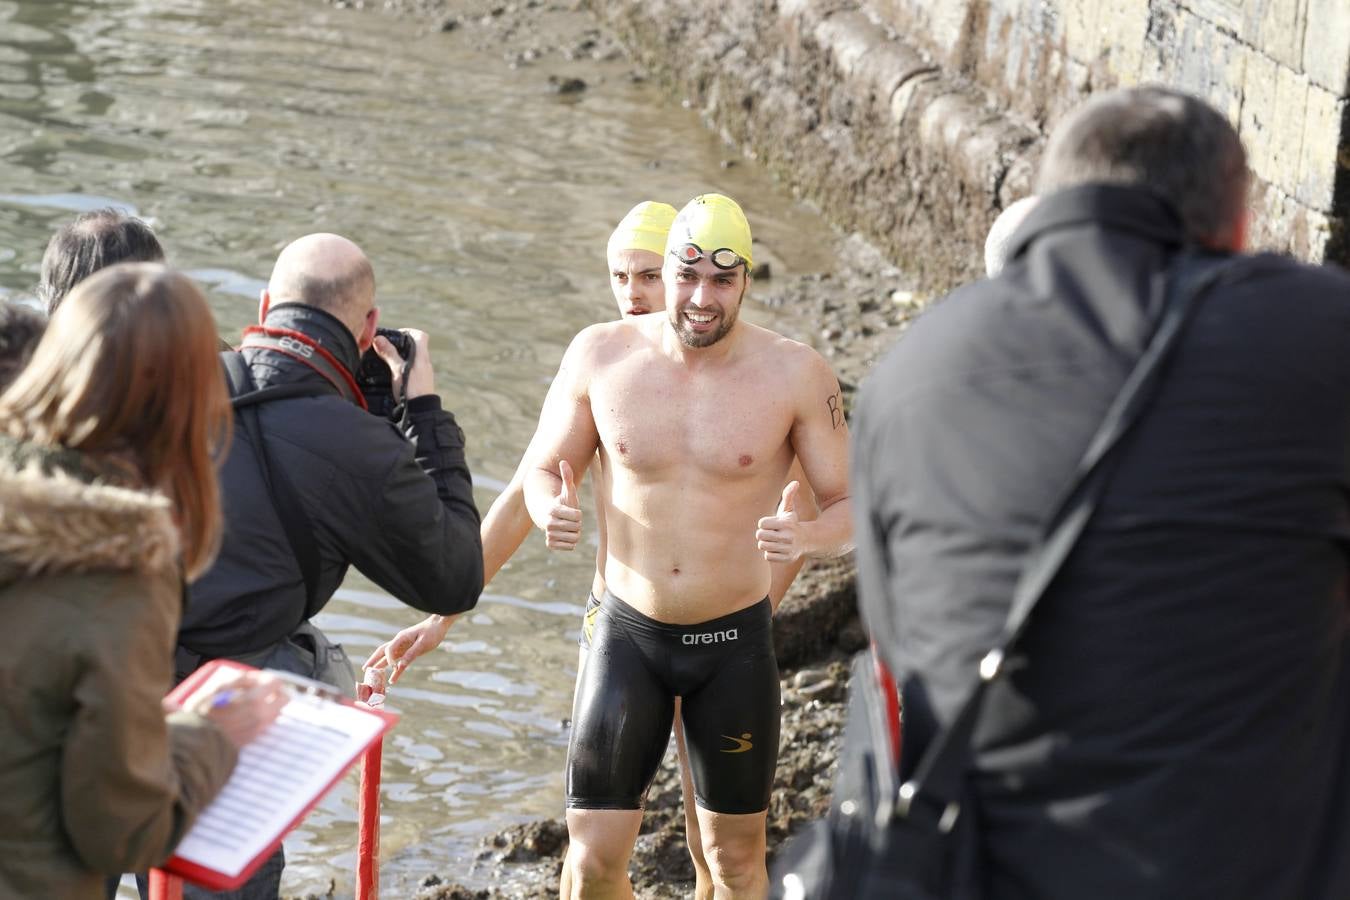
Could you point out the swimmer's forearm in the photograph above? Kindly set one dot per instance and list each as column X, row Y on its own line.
column 540, row 488
column 505, row 527
column 832, row 533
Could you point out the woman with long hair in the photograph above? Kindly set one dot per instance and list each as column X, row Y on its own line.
column 108, row 502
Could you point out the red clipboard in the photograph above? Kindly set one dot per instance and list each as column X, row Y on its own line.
column 292, row 741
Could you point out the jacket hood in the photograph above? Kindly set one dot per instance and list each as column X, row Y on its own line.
column 56, row 518
column 1138, row 210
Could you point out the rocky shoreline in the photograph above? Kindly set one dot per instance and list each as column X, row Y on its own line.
column 852, row 315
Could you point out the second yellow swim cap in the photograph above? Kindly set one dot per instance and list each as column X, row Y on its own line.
column 644, row 228
column 712, row 222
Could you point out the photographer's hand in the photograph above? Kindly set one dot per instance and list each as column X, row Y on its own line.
column 421, row 380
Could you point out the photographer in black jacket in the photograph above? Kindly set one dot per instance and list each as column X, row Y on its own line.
column 1175, row 721
column 314, row 483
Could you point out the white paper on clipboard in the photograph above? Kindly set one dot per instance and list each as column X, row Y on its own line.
column 279, row 776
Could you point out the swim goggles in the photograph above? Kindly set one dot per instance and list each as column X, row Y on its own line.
column 724, row 258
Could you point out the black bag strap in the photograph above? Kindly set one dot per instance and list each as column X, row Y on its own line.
column 940, row 774
column 245, row 397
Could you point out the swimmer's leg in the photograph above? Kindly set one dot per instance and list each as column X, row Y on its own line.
column 731, row 724
column 564, row 877
column 587, row 630
column 736, row 849
column 702, row 880
column 621, row 722
column 600, row 842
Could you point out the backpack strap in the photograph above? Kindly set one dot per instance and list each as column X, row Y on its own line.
column 245, row 397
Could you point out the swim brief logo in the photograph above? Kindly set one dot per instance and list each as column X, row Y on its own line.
column 742, row 743
column 711, row 637
column 588, row 625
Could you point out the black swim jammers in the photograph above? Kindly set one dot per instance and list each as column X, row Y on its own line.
column 724, row 670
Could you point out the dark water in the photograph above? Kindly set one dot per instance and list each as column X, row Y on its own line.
column 484, row 201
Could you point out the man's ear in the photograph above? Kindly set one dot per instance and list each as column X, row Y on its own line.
column 1238, row 244
column 264, row 304
column 367, row 335
column 1233, row 237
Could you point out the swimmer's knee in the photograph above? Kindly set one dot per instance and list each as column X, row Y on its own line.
column 735, row 857
column 735, row 875
column 600, row 844
column 590, row 867
column 737, row 861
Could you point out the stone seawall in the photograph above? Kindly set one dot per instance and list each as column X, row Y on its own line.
column 914, row 122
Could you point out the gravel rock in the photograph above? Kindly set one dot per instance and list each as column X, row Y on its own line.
column 532, row 841
column 807, row 678
column 566, row 85
column 454, row 892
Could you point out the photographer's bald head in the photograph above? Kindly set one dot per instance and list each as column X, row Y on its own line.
column 328, row 272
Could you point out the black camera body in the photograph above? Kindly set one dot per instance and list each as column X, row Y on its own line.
column 377, row 382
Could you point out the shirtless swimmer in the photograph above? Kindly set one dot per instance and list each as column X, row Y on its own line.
column 696, row 417
column 634, row 256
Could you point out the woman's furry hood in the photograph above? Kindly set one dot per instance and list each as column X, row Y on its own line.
column 54, row 519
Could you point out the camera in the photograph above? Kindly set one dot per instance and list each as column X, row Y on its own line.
column 375, row 379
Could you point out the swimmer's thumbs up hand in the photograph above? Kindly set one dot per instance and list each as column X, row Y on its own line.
column 779, row 535
column 568, row 497
column 564, row 522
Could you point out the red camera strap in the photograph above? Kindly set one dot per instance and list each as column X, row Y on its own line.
column 306, row 351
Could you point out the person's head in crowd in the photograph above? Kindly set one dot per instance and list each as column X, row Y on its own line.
column 708, row 263
column 93, row 241
column 634, row 254
column 20, row 328
column 127, row 372
column 1001, row 232
column 327, row 272
column 1162, row 139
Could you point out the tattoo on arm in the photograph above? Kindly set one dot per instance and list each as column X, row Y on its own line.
column 835, row 404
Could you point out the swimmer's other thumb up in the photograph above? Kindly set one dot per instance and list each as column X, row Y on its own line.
column 564, row 522
column 779, row 535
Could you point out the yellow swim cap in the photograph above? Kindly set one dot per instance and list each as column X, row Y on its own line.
column 711, row 222
column 644, row 228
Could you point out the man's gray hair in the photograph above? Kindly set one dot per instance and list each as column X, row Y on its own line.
column 1155, row 137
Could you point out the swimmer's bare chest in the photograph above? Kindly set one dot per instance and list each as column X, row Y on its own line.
column 692, row 460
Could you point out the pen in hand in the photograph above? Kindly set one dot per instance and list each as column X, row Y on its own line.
column 243, row 708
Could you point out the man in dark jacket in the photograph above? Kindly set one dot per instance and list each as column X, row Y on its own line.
column 1176, row 721
column 395, row 501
